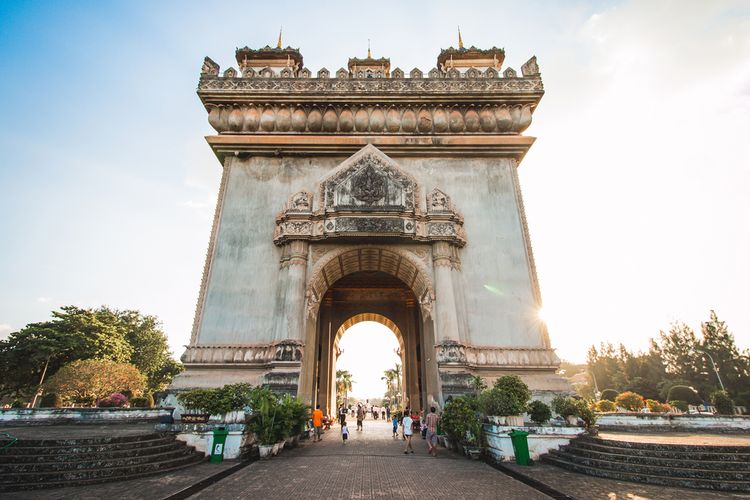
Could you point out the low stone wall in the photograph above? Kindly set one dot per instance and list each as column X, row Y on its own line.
column 660, row 422
column 541, row 439
column 46, row 416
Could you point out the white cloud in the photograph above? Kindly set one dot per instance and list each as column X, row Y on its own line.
column 5, row 331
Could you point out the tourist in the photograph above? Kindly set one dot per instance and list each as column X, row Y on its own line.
column 394, row 421
column 342, row 415
column 317, row 418
column 344, row 431
column 431, row 421
column 360, row 417
column 388, row 412
column 407, row 424
column 382, row 413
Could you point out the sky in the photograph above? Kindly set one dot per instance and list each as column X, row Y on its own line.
column 635, row 190
column 375, row 343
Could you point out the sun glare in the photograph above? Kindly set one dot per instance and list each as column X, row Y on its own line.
column 368, row 349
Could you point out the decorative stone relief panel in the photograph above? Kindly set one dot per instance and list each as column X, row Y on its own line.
column 261, row 354
column 368, row 195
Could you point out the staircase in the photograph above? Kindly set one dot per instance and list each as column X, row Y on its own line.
column 54, row 463
column 725, row 468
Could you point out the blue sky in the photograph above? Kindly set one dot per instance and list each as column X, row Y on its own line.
column 635, row 190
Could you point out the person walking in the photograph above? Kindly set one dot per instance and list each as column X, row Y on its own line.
column 408, row 424
column 431, row 421
column 344, row 431
column 394, row 422
column 317, row 418
column 360, row 417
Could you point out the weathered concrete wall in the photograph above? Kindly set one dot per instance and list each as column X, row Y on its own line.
column 82, row 415
column 541, row 439
column 242, row 290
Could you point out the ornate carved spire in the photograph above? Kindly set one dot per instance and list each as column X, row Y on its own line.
column 278, row 44
column 460, row 41
column 369, row 53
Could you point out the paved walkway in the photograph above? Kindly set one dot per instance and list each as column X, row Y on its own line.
column 370, row 465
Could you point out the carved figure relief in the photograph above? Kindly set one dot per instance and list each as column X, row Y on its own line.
column 301, row 201
column 209, row 68
column 368, row 186
column 530, row 68
column 438, row 201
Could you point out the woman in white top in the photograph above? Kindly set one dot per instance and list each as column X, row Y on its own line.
column 407, row 423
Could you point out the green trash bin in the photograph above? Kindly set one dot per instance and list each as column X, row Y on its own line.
column 217, row 448
column 520, row 446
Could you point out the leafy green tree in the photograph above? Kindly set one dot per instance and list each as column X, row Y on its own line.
column 344, row 383
column 731, row 365
column 73, row 333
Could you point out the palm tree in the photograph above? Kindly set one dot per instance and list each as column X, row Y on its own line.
column 391, row 375
column 344, row 383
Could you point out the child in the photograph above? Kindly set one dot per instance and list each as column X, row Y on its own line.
column 344, row 430
column 394, row 421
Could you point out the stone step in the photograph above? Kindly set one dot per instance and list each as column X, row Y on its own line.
column 692, row 472
column 664, row 451
column 709, row 484
column 683, row 460
column 75, row 447
column 680, row 448
column 75, row 462
column 100, row 440
column 37, row 480
column 28, row 458
column 49, row 483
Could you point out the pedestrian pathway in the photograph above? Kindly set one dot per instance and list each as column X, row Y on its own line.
column 371, row 465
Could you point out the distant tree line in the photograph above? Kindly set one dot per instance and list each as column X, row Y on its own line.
column 39, row 351
column 678, row 357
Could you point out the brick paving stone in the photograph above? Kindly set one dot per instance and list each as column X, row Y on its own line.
column 587, row 487
column 370, row 465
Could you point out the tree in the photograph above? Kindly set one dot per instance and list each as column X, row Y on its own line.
column 392, row 375
column 87, row 381
column 76, row 333
column 73, row 333
column 733, row 368
column 344, row 383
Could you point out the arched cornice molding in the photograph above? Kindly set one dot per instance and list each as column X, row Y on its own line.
column 343, row 261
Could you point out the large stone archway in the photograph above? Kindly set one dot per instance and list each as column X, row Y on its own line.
column 407, row 185
column 359, row 283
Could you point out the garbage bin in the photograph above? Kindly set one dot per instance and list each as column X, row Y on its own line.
column 217, row 449
column 520, row 446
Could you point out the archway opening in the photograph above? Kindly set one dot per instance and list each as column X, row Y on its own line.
column 369, row 366
column 370, row 296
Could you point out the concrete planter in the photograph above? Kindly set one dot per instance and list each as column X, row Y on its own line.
column 541, row 439
column 265, row 451
column 514, row 420
column 659, row 422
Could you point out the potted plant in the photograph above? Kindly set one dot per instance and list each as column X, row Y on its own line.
column 507, row 398
column 262, row 420
column 196, row 403
column 566, row 407
column 462, row 425
column 539, row 412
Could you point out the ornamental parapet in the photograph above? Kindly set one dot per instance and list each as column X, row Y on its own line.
column 291, row 101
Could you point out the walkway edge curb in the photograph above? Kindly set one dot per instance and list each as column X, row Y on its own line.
column 534, row 483
column 206, row 482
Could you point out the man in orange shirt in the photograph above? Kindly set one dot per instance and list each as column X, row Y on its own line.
column 317, row 418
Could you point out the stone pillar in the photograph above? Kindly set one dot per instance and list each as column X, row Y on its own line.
column 295, row 294
column 446, row 321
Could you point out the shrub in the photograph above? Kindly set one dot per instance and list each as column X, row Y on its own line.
column 679, row 404
column 539, row 412
column 723, row 403
column 657, row 407
column 263, row 419
column 565, row 406
column 86, row 381
column 606, row 406
column 583, row 410
column 17, row 403
column 196, row 400
column 114, row 400
column 51, row 400
column 683, row 393
column 609, row 395
column 631, row 401
column 461, row 422
column 218, row 401
column 508, row 396
column 142, row 402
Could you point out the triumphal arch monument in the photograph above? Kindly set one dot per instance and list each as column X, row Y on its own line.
column 369, row 194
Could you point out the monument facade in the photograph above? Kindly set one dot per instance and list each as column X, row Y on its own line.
column 369, row 195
